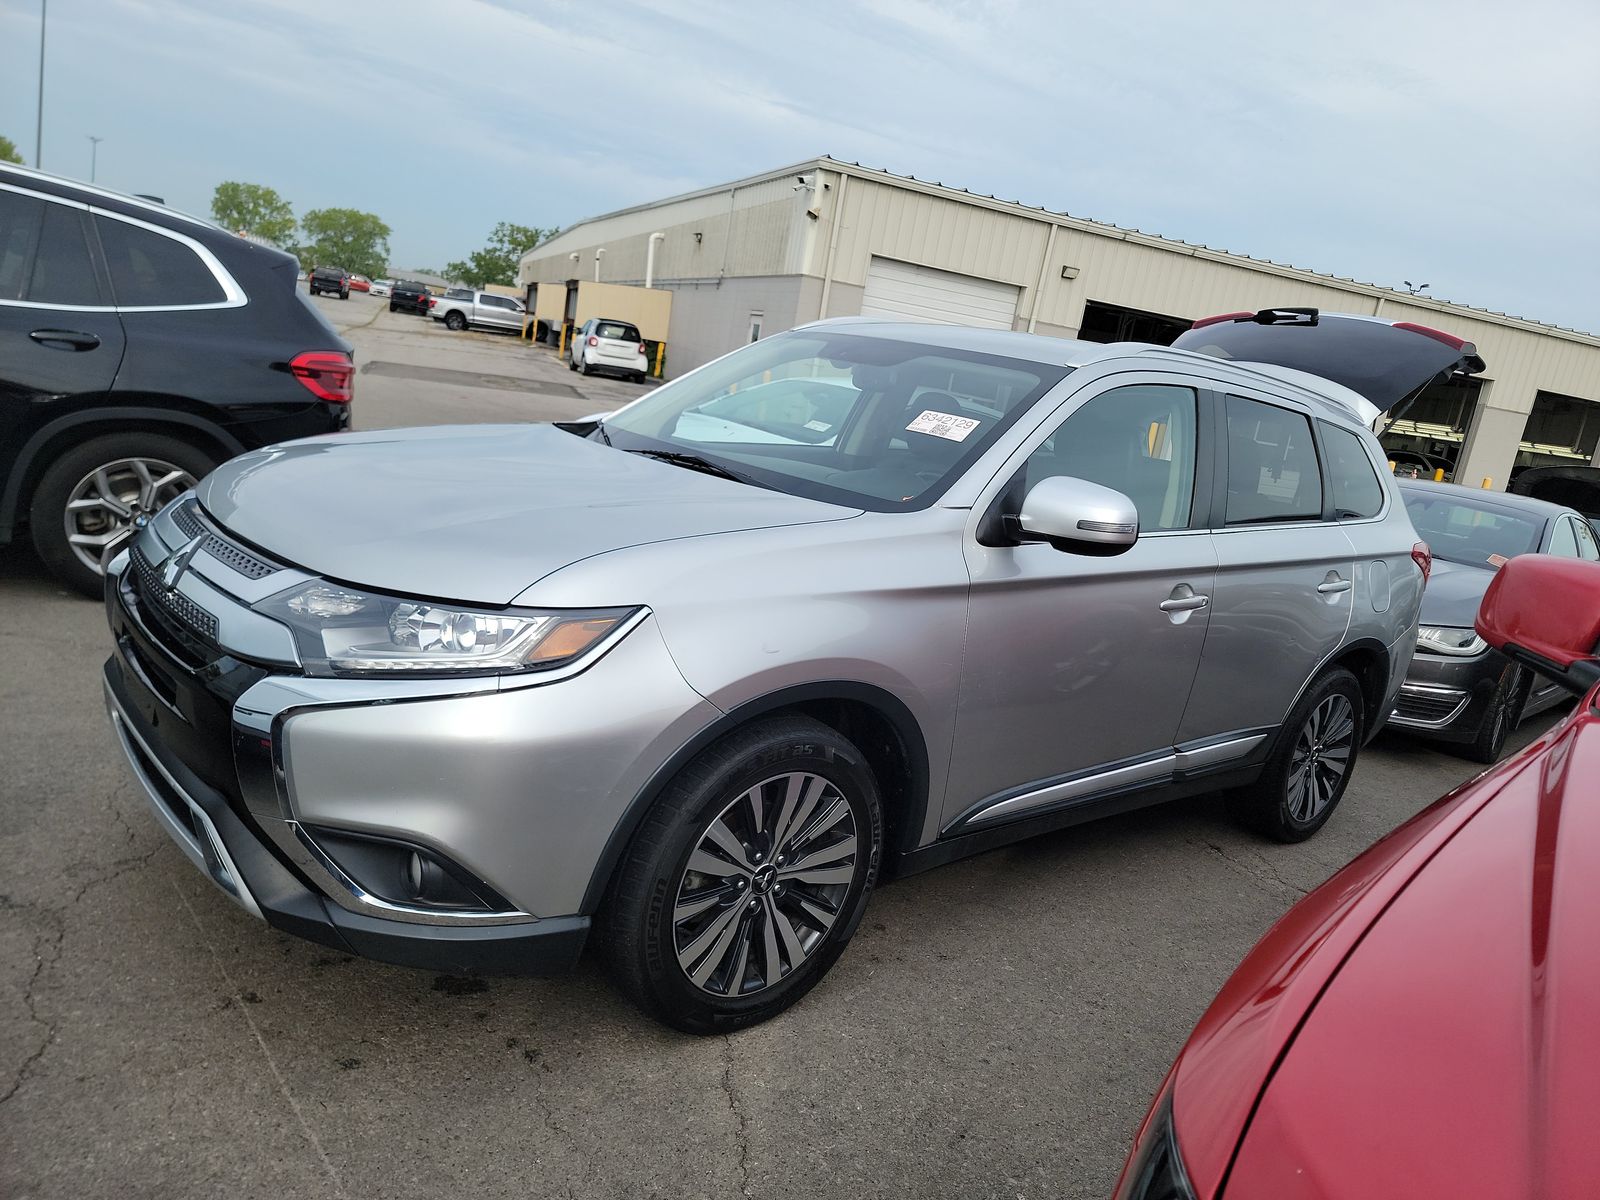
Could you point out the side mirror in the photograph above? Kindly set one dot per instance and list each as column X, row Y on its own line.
column 1077, row 516
column 1544, row 612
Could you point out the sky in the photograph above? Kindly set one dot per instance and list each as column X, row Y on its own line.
column 1453, row 144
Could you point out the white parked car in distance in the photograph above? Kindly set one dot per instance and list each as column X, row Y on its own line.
column 382, row 287
column 601, row 344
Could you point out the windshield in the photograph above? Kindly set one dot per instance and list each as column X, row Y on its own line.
column 1470, row 534
column 870, row 422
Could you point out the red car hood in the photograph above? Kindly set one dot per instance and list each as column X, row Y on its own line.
column 1435, row 1007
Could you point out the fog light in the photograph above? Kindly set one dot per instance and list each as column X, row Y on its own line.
column 405, row 873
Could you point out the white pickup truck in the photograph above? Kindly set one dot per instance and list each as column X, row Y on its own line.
column 459, row 308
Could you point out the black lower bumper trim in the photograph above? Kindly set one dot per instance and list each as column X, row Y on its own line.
column 544, row 947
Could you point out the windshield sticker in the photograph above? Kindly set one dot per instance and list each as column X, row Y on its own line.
column 943, row 425
column 1498, row 560
column 819, row 426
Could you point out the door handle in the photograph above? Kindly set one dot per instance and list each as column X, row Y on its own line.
column 1329, row 586
column 65, row 339
column 1184, row 603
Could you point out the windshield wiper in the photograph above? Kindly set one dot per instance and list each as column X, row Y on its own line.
column 694, row 462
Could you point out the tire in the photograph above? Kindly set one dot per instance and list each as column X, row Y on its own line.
column 572, row 363
column 454, row 320
column 1503, row 715
column 746, row 948
column 584, row 368
column 639, row 377
column 391, row 306
column 1302, row 782
column 73, row 476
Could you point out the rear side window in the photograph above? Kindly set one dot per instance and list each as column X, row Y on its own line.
column 617, row 330
column 1564, row 542
column 44, row 253
column 150, row 270
column 1272, row 465
column 1356, row 490
column 1587, row 547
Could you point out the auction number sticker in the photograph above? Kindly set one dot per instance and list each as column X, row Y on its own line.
column 943, row 425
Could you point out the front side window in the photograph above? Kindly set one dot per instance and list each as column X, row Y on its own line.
column 149, row 270
column 1588, row 548
column 869, row 422
column 1356, row 490
column 1563, row 541
column 1138, row 440
column 1272, row 465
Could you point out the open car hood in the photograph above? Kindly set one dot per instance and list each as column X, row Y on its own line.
column 1383, row 362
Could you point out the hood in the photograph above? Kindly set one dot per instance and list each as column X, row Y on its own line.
column 1453, row 593
column 473, row 513
column 1384, row 362
column 1453, row 1053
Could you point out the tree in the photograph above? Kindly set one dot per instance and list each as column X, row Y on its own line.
column 345, row 237
column 254, row 209
column 8, row 151
column 497, row 262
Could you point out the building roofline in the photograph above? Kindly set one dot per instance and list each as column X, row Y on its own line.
column 1095, row 228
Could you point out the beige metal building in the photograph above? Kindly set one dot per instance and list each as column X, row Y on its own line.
column 825, row 238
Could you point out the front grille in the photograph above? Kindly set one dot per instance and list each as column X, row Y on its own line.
column 171, row 613
column 187, row 519
column 1434, row 708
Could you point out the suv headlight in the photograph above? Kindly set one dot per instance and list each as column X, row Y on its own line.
column 1155, row 1169
column 342, row 631
column 1450, row 639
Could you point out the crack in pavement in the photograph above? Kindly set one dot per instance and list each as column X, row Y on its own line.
column 1268, row 875
column 733, row 1106
column 272, row 1063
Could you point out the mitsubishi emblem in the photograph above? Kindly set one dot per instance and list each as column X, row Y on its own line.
column 173, row 565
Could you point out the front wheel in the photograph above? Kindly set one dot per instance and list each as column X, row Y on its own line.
column 747, row 878
column 1504, row 713
column 1309, row 769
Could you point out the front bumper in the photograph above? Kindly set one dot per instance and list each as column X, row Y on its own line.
column 252, row 767
column 1446, row 698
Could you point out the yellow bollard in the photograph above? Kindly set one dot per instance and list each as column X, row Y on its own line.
column 561, row 348
column 1487, row 483
column 661, row 350
column 1438, row 474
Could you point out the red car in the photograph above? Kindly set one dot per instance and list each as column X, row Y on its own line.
column 360, row 283
column 1427, row 1022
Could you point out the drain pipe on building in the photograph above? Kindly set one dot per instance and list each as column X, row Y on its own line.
column 650, row 257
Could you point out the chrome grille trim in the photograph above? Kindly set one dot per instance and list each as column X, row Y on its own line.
column 174, row 604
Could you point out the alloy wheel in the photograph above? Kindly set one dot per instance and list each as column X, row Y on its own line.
column 115, row 498
column 765, row 883
column 1321, row 757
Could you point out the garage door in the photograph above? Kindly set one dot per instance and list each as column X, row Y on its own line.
column 897, row 289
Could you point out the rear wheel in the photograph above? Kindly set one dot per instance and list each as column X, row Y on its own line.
column 91, row 497
column 1503, row 715
column 455, row 321
column 747, row 878
column 1309, row 769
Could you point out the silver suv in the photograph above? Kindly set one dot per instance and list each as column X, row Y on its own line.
column 855, row 600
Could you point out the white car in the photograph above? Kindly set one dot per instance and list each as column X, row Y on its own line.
column 601, row 344
column 382, row 287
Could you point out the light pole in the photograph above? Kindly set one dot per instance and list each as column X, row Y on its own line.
column 94, row 152
column 38, row 129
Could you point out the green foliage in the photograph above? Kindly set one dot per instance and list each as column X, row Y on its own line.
column 9, row 151
column 345, row 237
column 497, row 262
column 255, row 209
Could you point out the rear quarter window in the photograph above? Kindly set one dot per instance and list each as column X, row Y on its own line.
column 150, row 270
column 1356, row 490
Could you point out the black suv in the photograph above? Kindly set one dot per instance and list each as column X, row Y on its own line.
column 139, row 348
column 329, row 279
column 410, row 296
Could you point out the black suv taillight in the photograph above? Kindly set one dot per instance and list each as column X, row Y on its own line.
column 326, row 374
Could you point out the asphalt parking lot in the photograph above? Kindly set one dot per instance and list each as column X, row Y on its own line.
column 995, row 1030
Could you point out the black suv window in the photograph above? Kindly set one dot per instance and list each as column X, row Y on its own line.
column 1272, row 464
column 44, row 253
column 1139, row 440
column 150, row 270
column 1356, row 490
